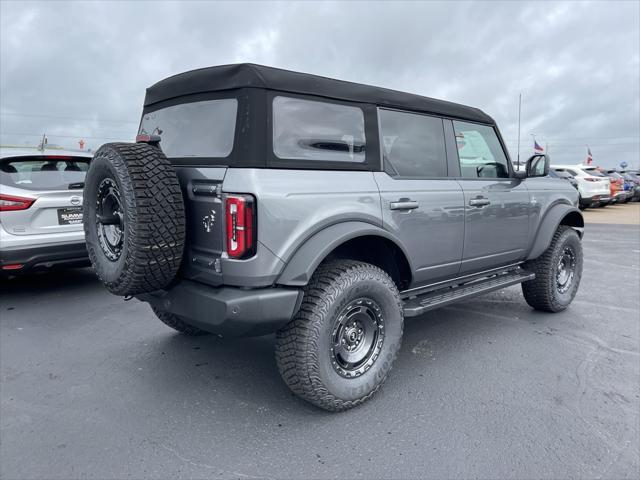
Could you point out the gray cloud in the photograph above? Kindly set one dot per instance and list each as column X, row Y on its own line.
column 80, row 69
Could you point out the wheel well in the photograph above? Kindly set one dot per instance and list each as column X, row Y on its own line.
column 377, row 251
column 573, row 219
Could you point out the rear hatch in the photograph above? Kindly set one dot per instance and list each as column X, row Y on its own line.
column 202, row 192
column 198, row 138
column 42, row 193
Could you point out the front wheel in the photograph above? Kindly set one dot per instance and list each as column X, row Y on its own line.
column 338, row 350
column 558, row 272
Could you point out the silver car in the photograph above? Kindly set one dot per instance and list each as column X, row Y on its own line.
column 41, row 209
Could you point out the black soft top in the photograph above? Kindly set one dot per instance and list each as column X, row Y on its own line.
column 247, row 75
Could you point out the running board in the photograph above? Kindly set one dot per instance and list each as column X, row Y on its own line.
column 420, row 304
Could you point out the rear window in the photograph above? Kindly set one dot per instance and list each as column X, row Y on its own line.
column 311, row 130
column 44, row 173
column 413, row 145
column 197, row 129
column 593, row 172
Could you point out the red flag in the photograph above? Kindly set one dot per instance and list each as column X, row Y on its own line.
column 589, row 156
column 537, row 148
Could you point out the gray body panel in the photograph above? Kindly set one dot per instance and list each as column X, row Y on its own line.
column 551, row 200
column 294, row 205
column 303, row 215
column 432, row 234
column 496, row 233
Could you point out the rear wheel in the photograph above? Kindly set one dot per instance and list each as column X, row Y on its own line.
column 338, row 350
column 134, row 218
column 558, row 272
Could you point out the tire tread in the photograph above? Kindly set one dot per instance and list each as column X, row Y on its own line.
column 297, row 343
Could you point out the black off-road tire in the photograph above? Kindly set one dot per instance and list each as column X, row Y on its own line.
column 177, row 323
column 304, row 346
column 543, row 293
column 152, row 229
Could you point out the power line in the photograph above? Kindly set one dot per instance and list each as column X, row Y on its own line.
column 89, row 119
column 65, row 136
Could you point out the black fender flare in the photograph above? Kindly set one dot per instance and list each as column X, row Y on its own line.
column 555, row 216
column 304, row 261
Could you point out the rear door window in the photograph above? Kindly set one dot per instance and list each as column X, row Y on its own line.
column 480, row 152
column 196, row 129
column 412, row 144
column 321, row 131
column 44, row 173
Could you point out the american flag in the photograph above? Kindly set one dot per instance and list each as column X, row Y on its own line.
column 537, row 148
column 589, row 156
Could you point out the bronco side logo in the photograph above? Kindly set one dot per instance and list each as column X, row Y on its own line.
column 208, row 221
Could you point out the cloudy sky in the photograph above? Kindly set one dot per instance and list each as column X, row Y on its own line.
column 79, row 70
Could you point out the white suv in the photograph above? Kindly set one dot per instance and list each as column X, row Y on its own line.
column 593, row 186
column 41, row 209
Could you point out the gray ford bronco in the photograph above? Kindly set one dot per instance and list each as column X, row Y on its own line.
column 257, row 200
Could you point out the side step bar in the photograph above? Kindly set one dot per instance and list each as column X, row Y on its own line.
column 422, row 303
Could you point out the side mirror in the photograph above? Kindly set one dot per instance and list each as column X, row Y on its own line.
column 519, row 174
column 538, row 166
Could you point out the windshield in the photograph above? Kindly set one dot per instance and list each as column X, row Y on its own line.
column 196, row 129
column 44, row 173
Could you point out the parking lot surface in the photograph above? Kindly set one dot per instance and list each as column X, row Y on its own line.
column 95, row 387
column 626, row 214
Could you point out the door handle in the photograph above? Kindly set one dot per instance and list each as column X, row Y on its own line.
column 403, row 204
column 479, row 202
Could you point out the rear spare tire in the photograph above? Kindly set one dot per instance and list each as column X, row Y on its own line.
column 134, row 219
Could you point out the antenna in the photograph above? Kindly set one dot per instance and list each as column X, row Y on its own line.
column 519, row 112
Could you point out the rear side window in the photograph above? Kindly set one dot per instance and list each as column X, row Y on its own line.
column 412, row 144
column 311, row 130
column 197, row 129
column 479, row 151
column 43, row 173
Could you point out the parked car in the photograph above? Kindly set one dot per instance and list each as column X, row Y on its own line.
column 619, row 193
column 594, row 187
column 634, row 179
column 41, row 209
column 628, row 184
column 259, row 200
column 565, row 176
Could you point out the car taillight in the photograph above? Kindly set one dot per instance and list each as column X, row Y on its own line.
column 591, row 179
column 241, row 219
column 10, row 203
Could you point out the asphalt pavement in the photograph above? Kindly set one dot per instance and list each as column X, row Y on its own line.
column 95, row 387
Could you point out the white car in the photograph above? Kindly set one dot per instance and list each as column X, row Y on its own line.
column 41, row 209
column 593, row 186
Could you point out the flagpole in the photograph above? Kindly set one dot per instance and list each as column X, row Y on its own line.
column 519, row 115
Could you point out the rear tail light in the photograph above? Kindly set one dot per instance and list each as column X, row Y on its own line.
column 10, row 203
column 591, row 179
column 241, row 223
column 12, row 266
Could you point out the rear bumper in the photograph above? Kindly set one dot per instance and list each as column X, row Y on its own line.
column 619, row 196
column 228, row 311
column 594, row 200
column 42, row 257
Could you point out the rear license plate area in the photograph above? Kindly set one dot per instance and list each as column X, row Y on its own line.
column 70, row 216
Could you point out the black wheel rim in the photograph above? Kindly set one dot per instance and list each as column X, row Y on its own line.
column 109, row 219
column 565, row 270
column 357, row 337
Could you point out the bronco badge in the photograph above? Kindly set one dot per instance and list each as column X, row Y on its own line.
column 208, row 221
